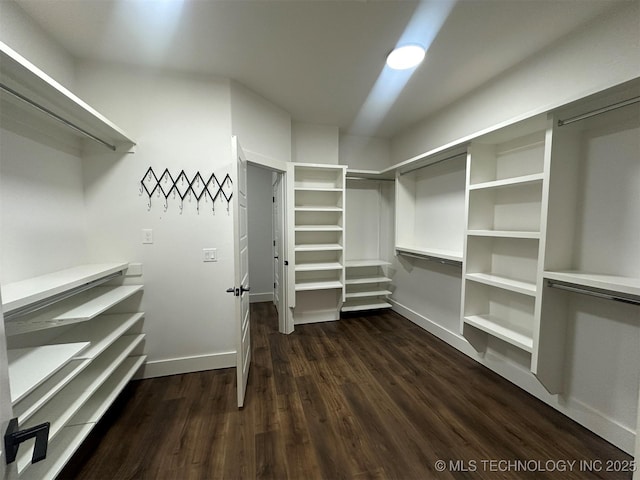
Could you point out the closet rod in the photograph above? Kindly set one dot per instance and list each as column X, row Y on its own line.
column 55, row 116
column 434, row 163
column 593, row 293
column 598, row 111
column 34, row 307
column 372, row 179
column 431, row 259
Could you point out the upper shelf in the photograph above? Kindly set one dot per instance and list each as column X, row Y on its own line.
column 23, row 82
column 26, row 292
column 612, row 283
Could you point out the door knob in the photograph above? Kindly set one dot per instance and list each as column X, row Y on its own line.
column 243, row 289
column 235, row 291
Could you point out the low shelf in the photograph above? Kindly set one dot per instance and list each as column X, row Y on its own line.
column 497, row 328
column 358, row 306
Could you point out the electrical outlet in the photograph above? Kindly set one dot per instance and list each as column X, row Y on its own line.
column 210, row 254
column 147, row 235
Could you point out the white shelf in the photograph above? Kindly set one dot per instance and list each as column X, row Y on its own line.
column 30, row 82
column 508, row 182
column 23, row 293
column 360, row 306
column 366, row 263
column 101, row 332
column 366, row 279
column 317, row 247
column 517, row 286
column 317, row 266
column 431, row 253
column 94, row 409
column 71, row 436
column 317, row 189
column 494, row 327
column 41, row 395
column 29, row 367
column 611, row 283
column 318, row 208
column 79, row 308
column 61, row 408
column 318, row 228
column 372, row 293
column 504, row 234
column 318, row 285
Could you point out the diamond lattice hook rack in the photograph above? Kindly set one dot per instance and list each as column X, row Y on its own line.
column 181, row 187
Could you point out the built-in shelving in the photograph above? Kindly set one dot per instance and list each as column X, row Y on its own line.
column 318, row 247
column 316, row 266
column 610, row 283
column 310, row 285
column 505, row 220
column 37, row 97
column 367, row 287
column 433, row 253
column 47, row 287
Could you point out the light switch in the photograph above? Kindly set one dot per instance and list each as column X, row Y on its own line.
column 210, row 254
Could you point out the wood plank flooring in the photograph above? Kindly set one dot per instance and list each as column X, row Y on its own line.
column 366, row 397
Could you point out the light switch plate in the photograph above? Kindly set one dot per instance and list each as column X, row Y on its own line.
column 210, row 255
column 147, row 235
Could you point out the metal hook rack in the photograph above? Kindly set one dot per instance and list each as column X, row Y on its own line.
column 182, row 187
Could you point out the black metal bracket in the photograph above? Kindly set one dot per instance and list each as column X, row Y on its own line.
column 14, row 437
column 183, row 188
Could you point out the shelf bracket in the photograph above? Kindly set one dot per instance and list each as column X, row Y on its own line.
column 14, row 437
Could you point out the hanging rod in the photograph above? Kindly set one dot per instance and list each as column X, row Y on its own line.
column 429, row 258
column 434, row 163
column 55, row 116
column 372, row 179
column 598, row 111
column 34, row 307
column 593, row 293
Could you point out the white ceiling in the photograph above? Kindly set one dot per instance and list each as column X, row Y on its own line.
column 319, row 60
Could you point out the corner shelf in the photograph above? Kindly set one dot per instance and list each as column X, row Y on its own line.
column 28, row 85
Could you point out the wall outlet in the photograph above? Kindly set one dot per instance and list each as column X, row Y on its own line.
column 147, row 235
column 210, row 254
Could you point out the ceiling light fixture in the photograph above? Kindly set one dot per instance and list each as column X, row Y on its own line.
column 405, row 57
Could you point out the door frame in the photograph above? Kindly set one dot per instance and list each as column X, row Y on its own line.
column 285, row 318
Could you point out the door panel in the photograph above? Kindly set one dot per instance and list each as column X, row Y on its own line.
column 241, row 274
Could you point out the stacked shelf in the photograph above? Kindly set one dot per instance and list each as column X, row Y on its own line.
column 505, row 198
column 367, row 287
column 318, row 227
column 69, row 360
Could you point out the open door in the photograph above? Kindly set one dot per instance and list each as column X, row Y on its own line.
column 278, row 250
column 241, row 277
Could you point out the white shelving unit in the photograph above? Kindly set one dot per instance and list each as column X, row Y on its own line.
column 506, row 173
column 28, row 93
column 69, row 370
column 430, row 208
column 317, row 238
column 367, row 287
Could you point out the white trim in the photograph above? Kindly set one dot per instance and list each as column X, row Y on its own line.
column 261, row 297
column 264, row 161
column 197, row 363
column 608, row 428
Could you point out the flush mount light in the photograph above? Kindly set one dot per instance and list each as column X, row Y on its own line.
column 405, row 57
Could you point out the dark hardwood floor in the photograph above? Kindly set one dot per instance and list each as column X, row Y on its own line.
column 365, row 397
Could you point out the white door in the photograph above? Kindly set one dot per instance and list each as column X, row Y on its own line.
column 278, row 250
column 241, row 277
column 6, row 412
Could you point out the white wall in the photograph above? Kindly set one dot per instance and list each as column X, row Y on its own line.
column 603, row 53
column 313, row 143
column 27, row 38
column 261, row 126
column 180, row 122
column 259, row 211
column 364, row 153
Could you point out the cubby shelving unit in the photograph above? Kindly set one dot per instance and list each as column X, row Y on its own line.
column 506, row 171
column 70, row 357
column 317, row 214
column 367, row 286
column 430, row 206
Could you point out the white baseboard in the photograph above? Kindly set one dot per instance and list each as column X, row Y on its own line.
column 619, row 435
column 175, row 366
column 260, row 297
